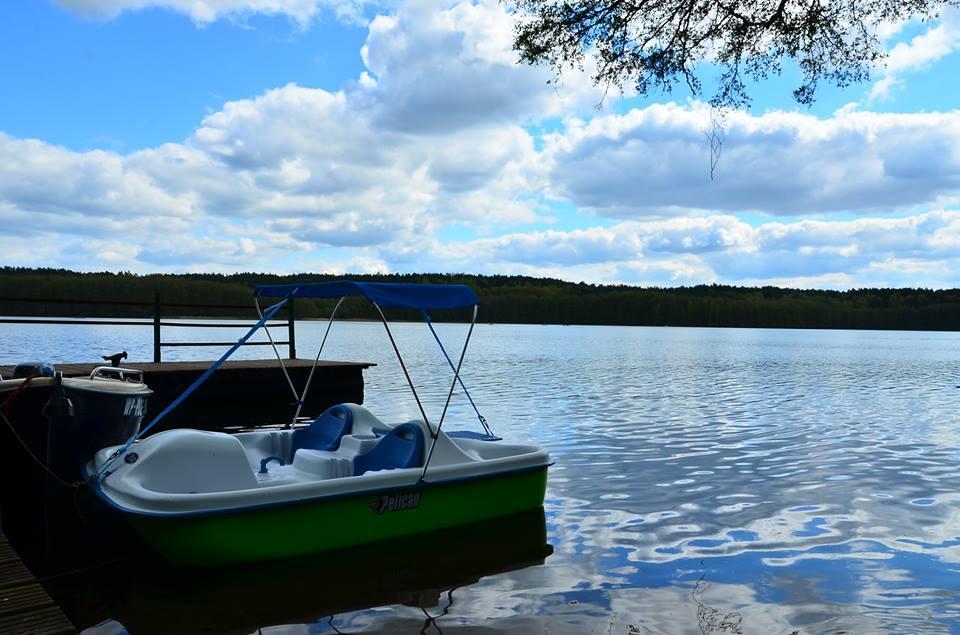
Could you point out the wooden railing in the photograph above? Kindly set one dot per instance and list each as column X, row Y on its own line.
column 158, row 322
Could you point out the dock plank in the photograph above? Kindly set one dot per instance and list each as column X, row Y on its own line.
column 13, row 573
column 46, row 621
column 6, row 551
column 242, row 393
column 23, row 598
column 25, row 607
column 83, row 369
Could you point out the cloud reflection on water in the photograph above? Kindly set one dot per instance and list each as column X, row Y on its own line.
column 800, row 479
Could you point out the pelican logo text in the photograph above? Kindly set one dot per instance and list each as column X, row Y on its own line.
column 395, row 502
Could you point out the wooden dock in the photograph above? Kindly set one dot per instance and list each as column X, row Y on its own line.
column 24, row 606
column 241, row 394
column 83, row 369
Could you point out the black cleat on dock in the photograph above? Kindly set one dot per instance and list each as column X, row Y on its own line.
column 115, row 358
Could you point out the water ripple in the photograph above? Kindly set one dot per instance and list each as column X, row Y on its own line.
column 707, row 480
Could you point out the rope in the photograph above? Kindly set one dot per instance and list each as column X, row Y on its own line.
column 5, row 406
column 63, row 574
column 480, row 417
column 453, row 384
column 13, row 431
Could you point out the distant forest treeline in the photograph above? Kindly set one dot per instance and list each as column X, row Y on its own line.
column 507, row 299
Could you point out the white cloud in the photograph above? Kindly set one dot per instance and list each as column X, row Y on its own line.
column 923, row 249
column 654, row 161
column 300, row 152
column 439, row 68
column 625, row 242
column 424, row 161
column 201, row 11
column 920, row 52
column 352, row 168
column 47, row 179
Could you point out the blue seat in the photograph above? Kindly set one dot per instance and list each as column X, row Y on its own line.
column 401, row 447
column 325, row 432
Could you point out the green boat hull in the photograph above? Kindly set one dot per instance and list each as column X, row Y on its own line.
column 322, row 524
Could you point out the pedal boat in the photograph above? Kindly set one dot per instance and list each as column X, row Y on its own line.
column 345, row 478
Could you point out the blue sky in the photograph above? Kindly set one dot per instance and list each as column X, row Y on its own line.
column 359, row 136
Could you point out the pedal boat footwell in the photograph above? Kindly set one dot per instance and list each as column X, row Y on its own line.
column 208, row 498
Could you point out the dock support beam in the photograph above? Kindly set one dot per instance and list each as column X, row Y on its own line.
column 291, row 331
column 156, row 327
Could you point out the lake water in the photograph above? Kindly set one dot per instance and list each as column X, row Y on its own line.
column 706, row 480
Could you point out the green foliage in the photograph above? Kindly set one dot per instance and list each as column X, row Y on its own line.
column 503, row 299
column 654, row 44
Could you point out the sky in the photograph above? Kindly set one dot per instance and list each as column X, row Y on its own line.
column 363, row 136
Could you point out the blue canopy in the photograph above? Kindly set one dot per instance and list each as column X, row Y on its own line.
column 386, row 294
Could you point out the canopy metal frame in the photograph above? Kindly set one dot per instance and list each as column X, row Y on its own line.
column 265, row 316
column 300, row 398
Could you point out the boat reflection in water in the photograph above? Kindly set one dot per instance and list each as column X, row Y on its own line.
column 423, row 571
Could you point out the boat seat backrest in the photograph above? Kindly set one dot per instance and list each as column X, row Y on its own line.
column 192, row 461
column 326, row 431
column 402, row 447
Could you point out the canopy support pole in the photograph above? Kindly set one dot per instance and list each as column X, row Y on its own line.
column 453, row 384
column 283, row 367
column 383, row 319
column 316, row 361
column 102, row 473
column 480, row 417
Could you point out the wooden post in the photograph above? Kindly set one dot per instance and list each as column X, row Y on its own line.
column 156, row 327
column 291, row 331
